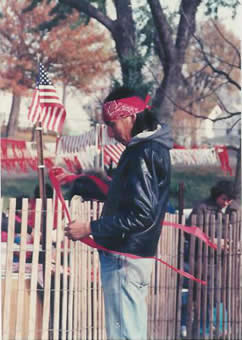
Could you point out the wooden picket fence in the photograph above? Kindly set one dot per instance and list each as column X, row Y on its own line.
column 58, row 295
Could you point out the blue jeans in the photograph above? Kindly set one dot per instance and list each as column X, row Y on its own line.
column 125, row 285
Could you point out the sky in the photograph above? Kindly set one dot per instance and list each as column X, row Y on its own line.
column 77, row 118
column 235, row 24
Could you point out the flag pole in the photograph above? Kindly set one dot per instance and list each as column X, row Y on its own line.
column 41, row 177
column 45, row 111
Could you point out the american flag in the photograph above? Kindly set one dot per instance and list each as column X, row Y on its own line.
column 46, row 106
column 113, row 152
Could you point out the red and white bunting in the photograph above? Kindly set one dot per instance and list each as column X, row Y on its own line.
column 196, row 157
column 72, row 144
column 81, row 152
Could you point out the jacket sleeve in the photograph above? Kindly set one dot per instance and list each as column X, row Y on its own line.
column 140, row 196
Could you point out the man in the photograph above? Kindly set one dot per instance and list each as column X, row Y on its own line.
column 132, row 214
column 220, row 199
column 219, row 202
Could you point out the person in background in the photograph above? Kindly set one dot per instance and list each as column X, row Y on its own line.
column 234, row 206
column 132, row 216
column 220, row 198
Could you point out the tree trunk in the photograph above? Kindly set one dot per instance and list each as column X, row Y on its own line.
column 165, row 96
column 13, row 117
column 130, row 63
column 123, row 32
column 171, row 53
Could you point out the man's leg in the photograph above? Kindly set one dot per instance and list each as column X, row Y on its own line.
column 125, row 285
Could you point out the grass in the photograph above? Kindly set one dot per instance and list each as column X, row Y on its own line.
column 197, row 184
column 14, row 187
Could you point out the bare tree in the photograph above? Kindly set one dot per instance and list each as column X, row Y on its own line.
column 219, row 61
column 171, row 41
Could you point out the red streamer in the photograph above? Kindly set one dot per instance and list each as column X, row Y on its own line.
column 193, row 230
column 90, row 242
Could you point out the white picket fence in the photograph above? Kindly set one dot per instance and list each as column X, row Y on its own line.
column 62, row 298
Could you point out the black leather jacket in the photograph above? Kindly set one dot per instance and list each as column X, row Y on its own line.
column 137, row 199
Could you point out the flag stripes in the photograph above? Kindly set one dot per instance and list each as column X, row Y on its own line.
column 46, row 106
column 34, row 107
column 113, row 152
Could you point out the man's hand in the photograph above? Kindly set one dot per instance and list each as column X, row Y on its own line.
column 77, row 230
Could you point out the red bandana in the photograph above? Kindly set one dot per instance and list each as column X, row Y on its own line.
column 125, row 107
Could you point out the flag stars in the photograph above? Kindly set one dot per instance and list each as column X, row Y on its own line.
column 43, row 77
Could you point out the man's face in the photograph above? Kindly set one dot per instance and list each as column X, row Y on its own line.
column 121, row 129
column 222, row 201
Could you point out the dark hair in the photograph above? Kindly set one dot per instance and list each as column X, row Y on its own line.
column 222, row 187
column 120, row 92
column 91, row 186
column 144, row 120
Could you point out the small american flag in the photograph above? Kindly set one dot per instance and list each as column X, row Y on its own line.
column 46, row 106
column 113, row 152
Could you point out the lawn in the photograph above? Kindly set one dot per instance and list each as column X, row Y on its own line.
column 197, row 184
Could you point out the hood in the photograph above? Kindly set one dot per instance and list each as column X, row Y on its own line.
column 161, row 135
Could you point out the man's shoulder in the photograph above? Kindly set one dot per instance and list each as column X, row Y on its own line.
column 149, row 144
column 148, row 150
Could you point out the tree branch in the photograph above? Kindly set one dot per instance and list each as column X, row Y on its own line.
column 237, row 51
column 213, row 68
column 222, row 61
column 204, row 95
column 224, row 106
column 186, row 27
column 164, row 32
column 191, row 113
column 233, row 125
column 85, row 7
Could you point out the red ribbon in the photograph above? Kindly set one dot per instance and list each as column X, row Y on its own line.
column 195, row 231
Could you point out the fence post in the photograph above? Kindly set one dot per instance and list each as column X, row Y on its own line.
column 190, row 307
column 181, row 201
column 41, row 177
column 198, row 270
column 181, row 220
column 218, row 270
